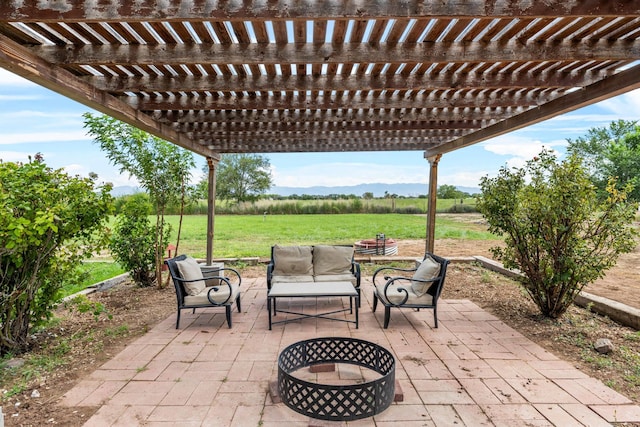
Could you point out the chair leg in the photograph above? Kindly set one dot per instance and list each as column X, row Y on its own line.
column 435, row 316
column 387, row 316
column 375, row 301
column 238, row 304
column 228, row 312
column 178, row 320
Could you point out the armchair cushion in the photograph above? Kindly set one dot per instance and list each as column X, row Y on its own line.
column 329, row 260
column 190, row 270
column 429, row 269
column 396, row 294
column 218, row 297
column 293, row 260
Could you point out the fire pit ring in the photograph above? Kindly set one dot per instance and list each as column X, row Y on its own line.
column 336, row 402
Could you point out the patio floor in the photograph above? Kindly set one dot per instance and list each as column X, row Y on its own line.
column 473, row 370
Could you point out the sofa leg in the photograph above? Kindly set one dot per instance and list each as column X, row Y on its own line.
column 178, row 320
column 375, row 301
column 387, row 316
column 228, row 312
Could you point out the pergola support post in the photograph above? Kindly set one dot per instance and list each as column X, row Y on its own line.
column 432, row 199
column 211, row 207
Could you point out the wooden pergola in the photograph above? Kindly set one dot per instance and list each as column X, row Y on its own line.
column 275, row 76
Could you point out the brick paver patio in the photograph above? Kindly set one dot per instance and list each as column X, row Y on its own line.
column 473, row 370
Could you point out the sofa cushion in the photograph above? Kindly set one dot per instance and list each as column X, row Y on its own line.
column 292, row 261
column 291, row 279
column 395, row 295
column 190, row 270
column 332, row 260
column 428, row 270
column 218, row 297
column 337, row 278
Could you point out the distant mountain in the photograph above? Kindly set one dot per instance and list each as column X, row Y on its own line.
column 378, row 190
column 123, row 190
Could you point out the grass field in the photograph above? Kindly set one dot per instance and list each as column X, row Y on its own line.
column 239, row 236
column 253, row 235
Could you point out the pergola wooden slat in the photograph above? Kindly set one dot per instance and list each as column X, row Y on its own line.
column 333, row 76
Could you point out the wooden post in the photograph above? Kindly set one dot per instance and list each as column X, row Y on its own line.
column 211, row 207
column 432, row 197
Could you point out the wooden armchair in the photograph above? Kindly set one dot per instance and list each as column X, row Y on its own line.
column 417, row 288
column 195, row 289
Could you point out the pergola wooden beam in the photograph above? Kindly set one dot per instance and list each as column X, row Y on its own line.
column 328, row 102
column 304, row 117
column 341, row 83
column 198, row 10
column 615, row 85
column 257, row 128
column 327, row 53
column 22, row 62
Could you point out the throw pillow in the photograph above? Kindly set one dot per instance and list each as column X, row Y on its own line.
column 190, row 270
column 332, row 259
column 428, row 269
column 292, row 260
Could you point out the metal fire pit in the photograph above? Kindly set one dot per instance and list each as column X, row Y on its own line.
column 336, row 402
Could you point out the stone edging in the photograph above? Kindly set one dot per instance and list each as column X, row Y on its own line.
column 621, row 313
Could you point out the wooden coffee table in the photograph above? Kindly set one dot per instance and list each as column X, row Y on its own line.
column 313, row 290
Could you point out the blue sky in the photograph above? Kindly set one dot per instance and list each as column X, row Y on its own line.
column 34, row 119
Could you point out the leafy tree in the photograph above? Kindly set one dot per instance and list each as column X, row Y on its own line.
column 557, row 232
column 446, row 191
column 132, row 242
column 49, row 222
column 242, row 177
column 612, row 152
column 161, row 168
column 368, row 195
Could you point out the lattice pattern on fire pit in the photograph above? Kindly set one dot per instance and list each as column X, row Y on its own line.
column 336, row 402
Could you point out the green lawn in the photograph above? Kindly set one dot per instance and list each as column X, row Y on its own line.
column 253, row 235
column 93, row 272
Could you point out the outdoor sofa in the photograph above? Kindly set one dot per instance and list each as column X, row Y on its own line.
column 319, row 263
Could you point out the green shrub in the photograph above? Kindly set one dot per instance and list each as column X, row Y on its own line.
column 557, row 231
column 132, row 243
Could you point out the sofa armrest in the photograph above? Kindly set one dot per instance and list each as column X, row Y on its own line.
column 355, row 270
column 270, row 267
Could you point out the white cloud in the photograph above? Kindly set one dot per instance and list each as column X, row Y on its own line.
column 15, row 156
column 341, row 174
column 8, row 98
column 463, row 179
column 625, row 106
column 32, row 114
column 7, row 78
column 43, row 137
column 520, row 147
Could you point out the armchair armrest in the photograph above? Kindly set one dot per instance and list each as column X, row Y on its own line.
column 231, row 278
column 391, row 269
column 217, row 288
column 398, row 288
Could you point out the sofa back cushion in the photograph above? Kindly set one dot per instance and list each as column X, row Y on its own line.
column 332, row 259
column 292, row 260
column 190, row 270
